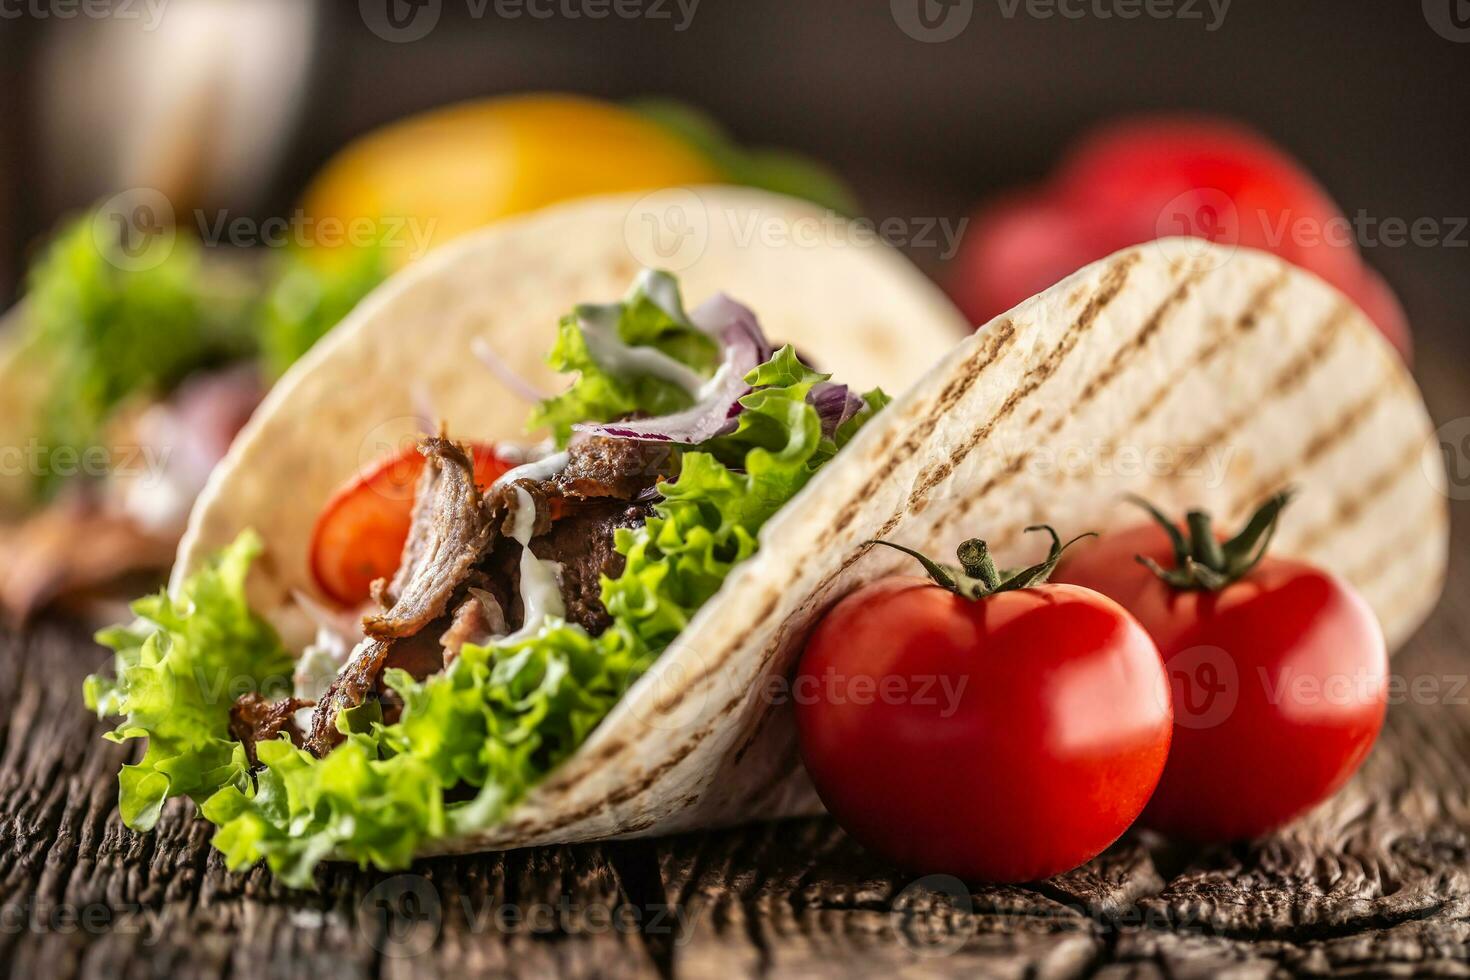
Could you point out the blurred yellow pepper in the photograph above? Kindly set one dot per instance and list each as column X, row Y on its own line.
column 432, row 177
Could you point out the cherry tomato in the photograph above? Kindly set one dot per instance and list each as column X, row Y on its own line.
column 359, row 535
column 1279, row 683
column 1003, row 738
column 1142, row 179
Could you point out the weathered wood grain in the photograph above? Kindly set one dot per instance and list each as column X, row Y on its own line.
column 1377, row 882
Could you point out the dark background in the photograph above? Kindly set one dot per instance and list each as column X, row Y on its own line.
column 1366, row 93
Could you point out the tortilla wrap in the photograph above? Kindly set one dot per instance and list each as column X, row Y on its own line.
column 1193, row 374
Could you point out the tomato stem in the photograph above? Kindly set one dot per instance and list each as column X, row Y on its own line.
column 975, row 559
column 1201, row 561
column 977, row 577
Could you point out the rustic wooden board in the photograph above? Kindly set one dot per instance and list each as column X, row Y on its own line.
column 1376, row 882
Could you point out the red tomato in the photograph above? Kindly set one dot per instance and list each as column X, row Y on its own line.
column 1143, row 179
column 1279, row 684
column 359, row 535
column 1007, row 738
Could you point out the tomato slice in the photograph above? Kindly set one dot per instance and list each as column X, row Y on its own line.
column 360, row 533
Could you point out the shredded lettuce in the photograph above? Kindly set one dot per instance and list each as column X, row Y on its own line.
column 472, row 740
column 650, row 316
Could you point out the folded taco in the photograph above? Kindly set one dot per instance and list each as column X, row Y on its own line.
column 585, row 637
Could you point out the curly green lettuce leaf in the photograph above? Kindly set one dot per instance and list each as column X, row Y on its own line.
column 176, row 674
column 308, row 299
column 110, row 327
column 649, row 324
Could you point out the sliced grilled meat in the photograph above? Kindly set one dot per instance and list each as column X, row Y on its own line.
column 361, row 680
column 578, row 510
column 450, row 531
column 618, row 468
column 581, row 543
column 597, row 468
column 254, row 719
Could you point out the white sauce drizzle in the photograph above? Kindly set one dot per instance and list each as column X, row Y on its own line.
column 540, row 593
column 540, row 469
column 600, row 329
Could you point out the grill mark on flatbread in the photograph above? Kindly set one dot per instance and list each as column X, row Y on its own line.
column 1245, row 323
column 1113, row 283
column 1342, row 427
column 997, row 338
column 1296, row 371
column 1350, row 506
column 1125, row 354
column 1096, row 384
column 630, row 791
column 1221, row 339
column 1381, row 561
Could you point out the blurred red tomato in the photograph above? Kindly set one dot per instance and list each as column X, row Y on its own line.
column 1150, row 178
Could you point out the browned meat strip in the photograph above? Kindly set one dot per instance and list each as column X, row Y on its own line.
column 597, row 468
column 357, row 680
column 254, row 719
column 582, row 543
column 619, row 468
column 362, row 679
column 451, row 530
